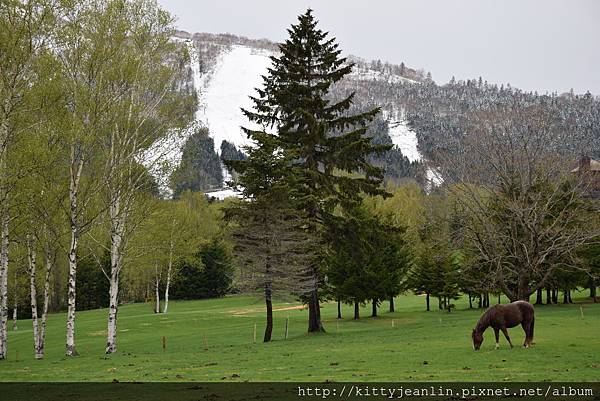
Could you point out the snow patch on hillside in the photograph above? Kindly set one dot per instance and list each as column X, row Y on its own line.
column 405, row 139
column 402, row 135
column 225, row 90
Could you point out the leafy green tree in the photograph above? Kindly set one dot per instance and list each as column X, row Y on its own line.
column 25, row 31
column 319, row 138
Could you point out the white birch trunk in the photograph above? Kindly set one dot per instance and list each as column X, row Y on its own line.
column 169, row 272
column 15, row 305
column 4, row 236
column 156, row 293
column 73, row 198
column 32, row 257
column 4, row 285
column 116, row 261
column 42, row 336
column 15, row 326
column 111, row 340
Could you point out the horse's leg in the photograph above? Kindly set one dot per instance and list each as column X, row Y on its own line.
column 531, row 325
column 505, row 332
column 497, row 334
column 527, row 330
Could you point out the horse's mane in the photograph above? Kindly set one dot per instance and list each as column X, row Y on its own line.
column 484, row 320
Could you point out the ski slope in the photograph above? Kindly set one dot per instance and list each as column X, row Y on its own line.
column 224, row 91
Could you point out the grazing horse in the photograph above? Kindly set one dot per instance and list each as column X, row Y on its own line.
column 502, row 317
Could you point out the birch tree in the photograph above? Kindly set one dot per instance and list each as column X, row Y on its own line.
column 24, row 28
column 83, row 53
column 173, row 232
column 149, row 111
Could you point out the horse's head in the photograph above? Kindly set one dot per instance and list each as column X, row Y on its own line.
column 477, row 339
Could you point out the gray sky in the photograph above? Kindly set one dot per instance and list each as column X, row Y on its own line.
column 544, row 45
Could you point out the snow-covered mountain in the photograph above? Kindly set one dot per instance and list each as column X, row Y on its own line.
column 226, row 69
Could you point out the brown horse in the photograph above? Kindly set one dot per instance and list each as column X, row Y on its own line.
column 502, row 317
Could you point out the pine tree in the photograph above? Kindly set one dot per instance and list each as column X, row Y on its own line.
column 320, row 139
column 271, row 242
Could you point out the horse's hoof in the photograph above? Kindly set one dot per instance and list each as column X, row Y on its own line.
column 525, row 346
column 497, row 346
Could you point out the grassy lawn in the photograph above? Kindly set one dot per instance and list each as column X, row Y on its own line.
column 212, row 340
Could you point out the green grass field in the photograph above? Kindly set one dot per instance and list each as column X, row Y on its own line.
column 212, row 340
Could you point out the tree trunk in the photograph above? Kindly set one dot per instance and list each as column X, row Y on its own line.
column 71, row 351
column 15, row 305
column 565, row 297
column 470, row 302
column 339, row 309
column 75, row 176
column 117, row 222
column 168, row 283
column 4, row 285
column 111, row 338
column 555, row 296
column 49, row 267
column 156, row 293
column 15, row 326
column 593, row 293
column 480, row 301
column 548, row 296
column 314, row 313
column 427, row 301
column 269, row 305
column 374, row 308
column 356, row 311
column 170, row 266
column 392, row 309
column 31, row 256
column 538, row 299
column 569, row 296
column 156, row 296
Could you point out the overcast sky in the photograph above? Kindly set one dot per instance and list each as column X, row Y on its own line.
column 544, row 45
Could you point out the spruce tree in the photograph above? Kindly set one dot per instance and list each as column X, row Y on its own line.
column 271, row 242
column 319, row 138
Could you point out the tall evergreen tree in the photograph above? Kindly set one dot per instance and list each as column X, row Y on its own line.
column 320, row 138
column 272, row 244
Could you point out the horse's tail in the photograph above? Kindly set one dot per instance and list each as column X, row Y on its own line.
column 531, row 328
